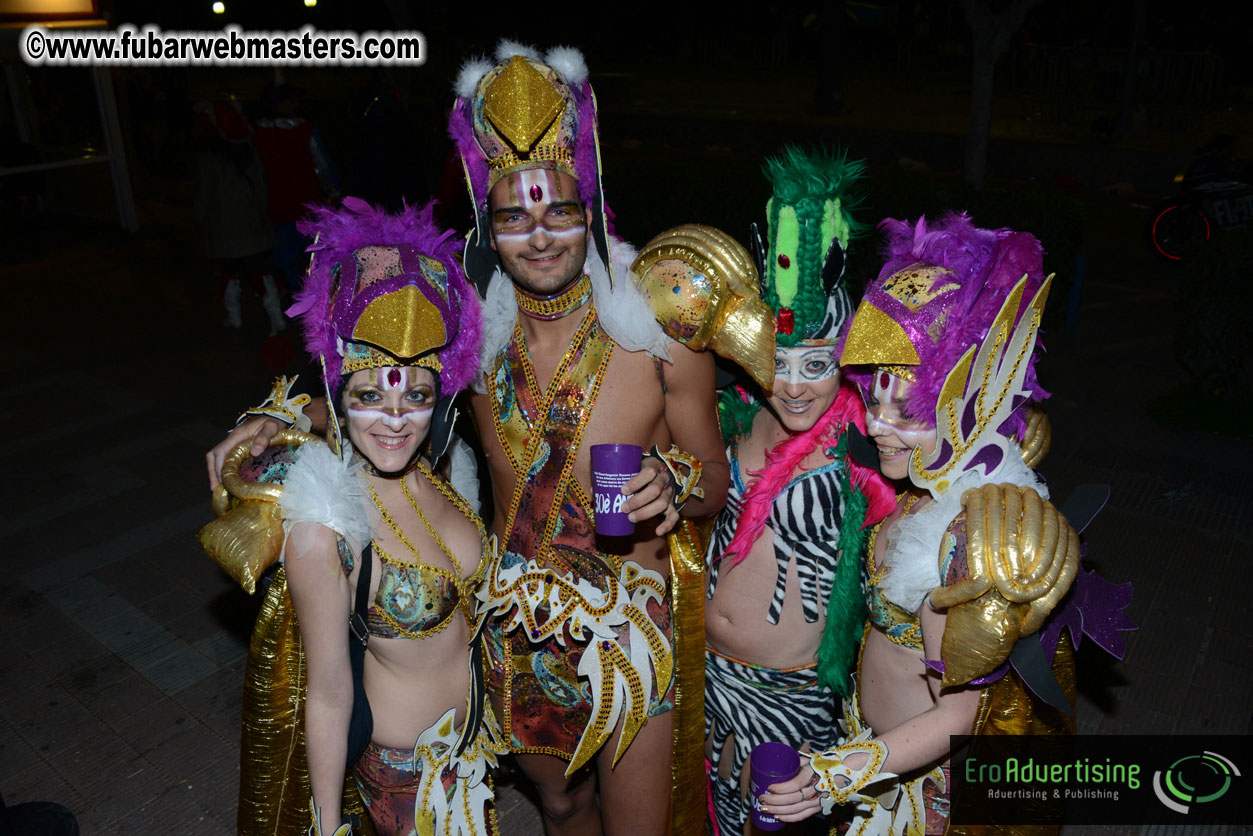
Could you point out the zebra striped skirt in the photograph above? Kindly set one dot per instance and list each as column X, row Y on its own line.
column 752, row 704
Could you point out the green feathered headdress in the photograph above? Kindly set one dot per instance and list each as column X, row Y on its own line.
column 809, row 227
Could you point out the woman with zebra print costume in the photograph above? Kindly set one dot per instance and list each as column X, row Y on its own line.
column 970, row 627
column 785, row 610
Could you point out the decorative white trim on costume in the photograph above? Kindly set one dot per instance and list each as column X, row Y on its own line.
column 463, row 472
column 623, row 311
column 569, row 62
column 883, row 803
column 472, row 69
column 507, row 48
column 323, row 488
column 919, row 536
column 621, row 680
column 281, row 406
column 462, row 812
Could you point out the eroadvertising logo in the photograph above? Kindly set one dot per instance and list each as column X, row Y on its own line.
column 1131, row 779
column 1194, row 780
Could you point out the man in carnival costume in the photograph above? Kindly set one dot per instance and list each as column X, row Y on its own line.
column 971, row 629
column 785, row 610
column 395, row 328
column 582, row 633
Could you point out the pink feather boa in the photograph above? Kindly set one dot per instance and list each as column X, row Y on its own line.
column 782, row 461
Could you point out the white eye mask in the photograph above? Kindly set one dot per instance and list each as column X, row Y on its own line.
column 799, row 365
column 534, row 189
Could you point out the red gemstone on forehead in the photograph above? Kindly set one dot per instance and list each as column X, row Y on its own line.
column 784, row 261
column 537, row 194
column 884, row 380
column 787, row 321
column 393, row 377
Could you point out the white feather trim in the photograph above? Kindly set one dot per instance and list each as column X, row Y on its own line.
column 507, row 48
column 463, row 472
column 569, row 62
column 325, row 489
column 500, row 312
column 472, row 69
column 912, row 553
column 624, row 312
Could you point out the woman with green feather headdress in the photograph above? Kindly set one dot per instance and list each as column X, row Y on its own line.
column 785, row 612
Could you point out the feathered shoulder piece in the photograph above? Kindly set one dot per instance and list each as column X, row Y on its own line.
column 328, row 489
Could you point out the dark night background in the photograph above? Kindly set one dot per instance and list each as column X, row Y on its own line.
column 121, row 645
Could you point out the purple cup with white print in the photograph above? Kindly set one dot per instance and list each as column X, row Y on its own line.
column 770, row 763
column 613, row 465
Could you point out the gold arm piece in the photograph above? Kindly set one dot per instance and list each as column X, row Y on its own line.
column 1021, row 556
column 247, row 536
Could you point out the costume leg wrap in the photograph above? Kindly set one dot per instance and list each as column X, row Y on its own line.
column 231, row 293
column 273, row 307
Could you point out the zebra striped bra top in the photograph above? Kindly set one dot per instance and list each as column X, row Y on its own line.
column 805, row 520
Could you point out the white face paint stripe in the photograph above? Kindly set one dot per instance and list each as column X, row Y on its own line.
column 793, row 361
column 571, row 233
column 534, row 187
column 911, row 433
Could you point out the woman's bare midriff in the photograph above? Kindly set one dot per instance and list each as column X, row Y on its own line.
column 735, row 618
column 405, row 698
column 893, row 685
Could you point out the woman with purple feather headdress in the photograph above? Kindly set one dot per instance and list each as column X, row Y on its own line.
column 377, row 699
column 970, row 627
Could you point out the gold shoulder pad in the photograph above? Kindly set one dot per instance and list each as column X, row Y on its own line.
column 1022, row 556
column 247, row 536
column 703, row 289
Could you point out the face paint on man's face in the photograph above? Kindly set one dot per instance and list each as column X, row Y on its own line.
column 536, row 198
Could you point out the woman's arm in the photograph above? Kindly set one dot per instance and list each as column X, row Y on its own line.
column 922, row 740
column 322, row 597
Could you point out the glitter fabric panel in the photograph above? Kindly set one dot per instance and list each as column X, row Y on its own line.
column 687, row 584
column 875, row 339
column 521, row 103
column 273, row 769
column 547, row 706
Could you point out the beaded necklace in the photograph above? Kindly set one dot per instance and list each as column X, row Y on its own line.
column 400, row 535
column 555, row 307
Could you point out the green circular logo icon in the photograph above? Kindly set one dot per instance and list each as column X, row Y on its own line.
column 1194, row 779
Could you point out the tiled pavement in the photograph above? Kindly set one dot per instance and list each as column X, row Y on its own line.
column 121, row 645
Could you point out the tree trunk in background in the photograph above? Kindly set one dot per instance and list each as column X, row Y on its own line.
column 992, row 24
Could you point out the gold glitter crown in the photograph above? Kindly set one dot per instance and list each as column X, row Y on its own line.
column 525, row 118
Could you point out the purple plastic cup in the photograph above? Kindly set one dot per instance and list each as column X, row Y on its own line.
column 770, row 763
column 613, row 465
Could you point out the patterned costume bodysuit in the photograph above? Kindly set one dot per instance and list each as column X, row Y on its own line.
column 757, row 704
column 538, row 669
